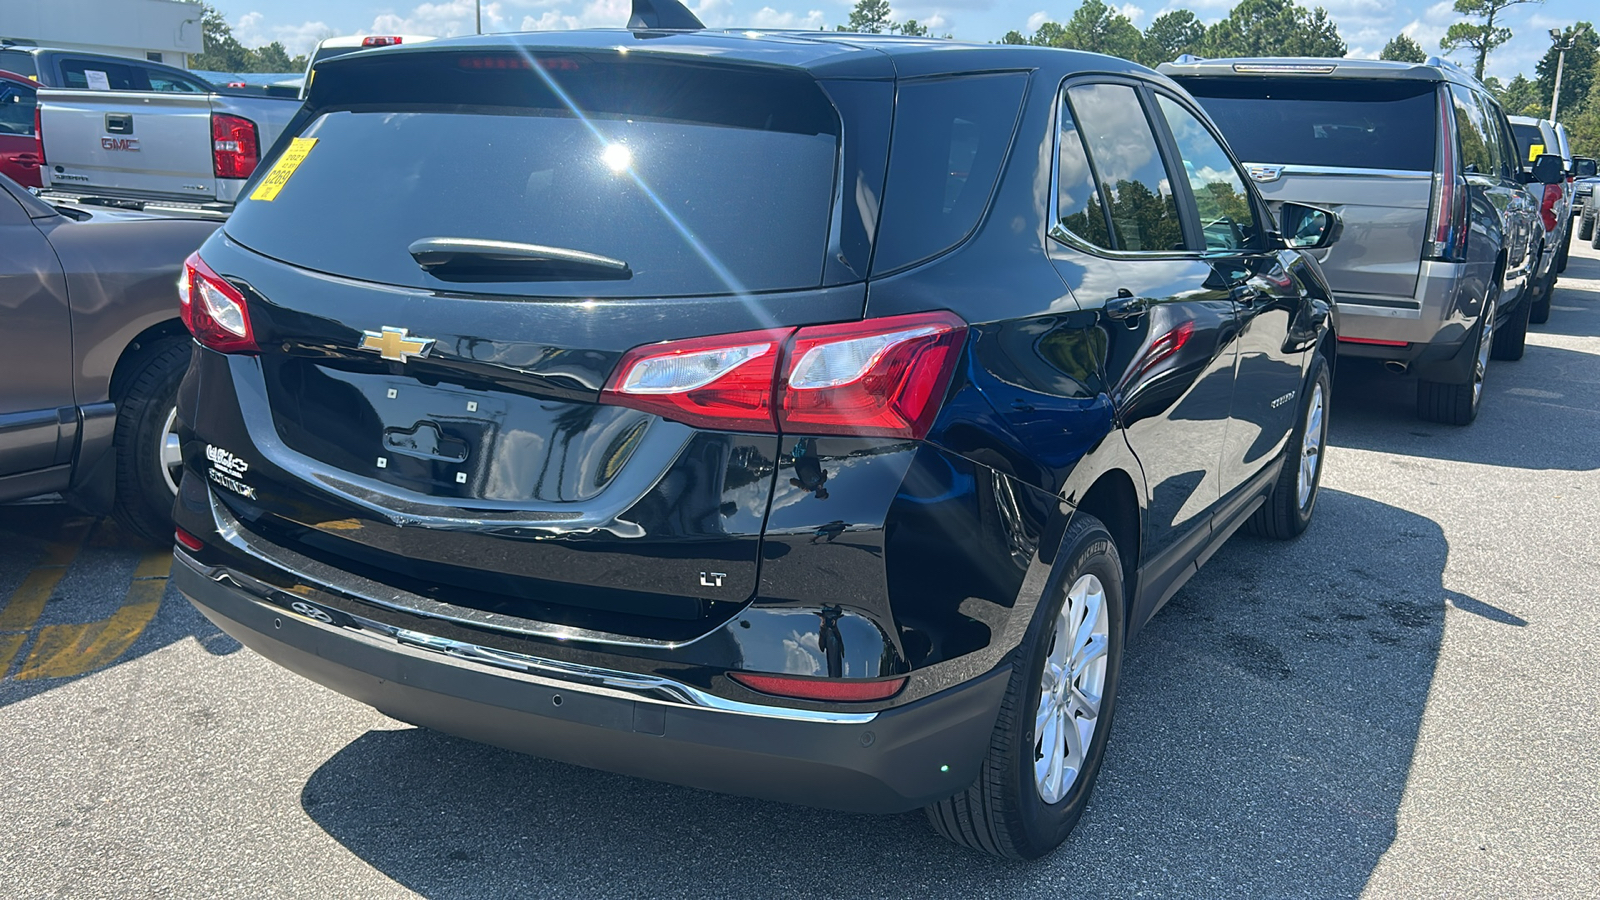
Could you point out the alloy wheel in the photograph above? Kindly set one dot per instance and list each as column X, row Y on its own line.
column 1485, row 342
column 1071, row 689
column 170, row 451
column 1311, row 445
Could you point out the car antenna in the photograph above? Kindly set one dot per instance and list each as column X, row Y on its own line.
column 663, row 15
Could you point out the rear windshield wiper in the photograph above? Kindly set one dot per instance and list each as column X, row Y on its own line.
column 471, row 259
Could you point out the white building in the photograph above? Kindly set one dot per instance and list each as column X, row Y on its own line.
column 164, row 31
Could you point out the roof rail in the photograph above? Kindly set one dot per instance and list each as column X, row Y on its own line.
column 663, row 15
column 1440, row 62
column 1188, row 58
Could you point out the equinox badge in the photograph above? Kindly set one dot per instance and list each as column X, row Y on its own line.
column 393, row 344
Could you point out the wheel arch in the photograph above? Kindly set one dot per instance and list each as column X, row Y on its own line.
column 143, row 344
column 1114, row 500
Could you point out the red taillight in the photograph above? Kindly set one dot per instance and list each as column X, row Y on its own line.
column 234, row 148
column 38, row 132
column 1447, row 233
column 881, row 377
column 188, row 541
column 828, row 689
column 1547, row 208
column 377, row 41
column 1373, row 341
column 213, row 310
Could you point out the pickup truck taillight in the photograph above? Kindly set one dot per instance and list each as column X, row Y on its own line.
column 213, row 310
column 38, row 133
column 235, row 149
column 881, row 377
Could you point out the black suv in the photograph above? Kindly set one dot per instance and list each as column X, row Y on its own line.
column 806, row 416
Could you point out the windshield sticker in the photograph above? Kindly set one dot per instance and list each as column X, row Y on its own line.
column 291, row 159
column 1534, row 151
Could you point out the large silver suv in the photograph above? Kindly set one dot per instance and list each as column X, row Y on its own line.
column 1441, row 233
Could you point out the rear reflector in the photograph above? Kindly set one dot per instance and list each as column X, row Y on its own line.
column 829, row 689
column 880, row 377
column 213, row 310
column 188, row 541
column 234, row 147
column 1374, row 341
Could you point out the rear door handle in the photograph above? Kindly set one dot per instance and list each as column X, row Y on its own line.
column 1126, row 306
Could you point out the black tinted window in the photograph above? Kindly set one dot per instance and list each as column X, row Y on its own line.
column 1079, row 207
column 1530, row 140
column 1128, row 167
column 170, row 83
column 16, row 109
column 98, row 75
column 702, row 181
column 1472, row 128
column 1324, row 122
column 950, row 138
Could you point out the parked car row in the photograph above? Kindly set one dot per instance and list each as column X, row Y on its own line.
column 811, row 416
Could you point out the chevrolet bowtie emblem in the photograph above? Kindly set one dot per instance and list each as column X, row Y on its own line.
column 393, row 344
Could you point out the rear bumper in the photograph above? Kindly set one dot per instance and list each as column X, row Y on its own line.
column 888, row 761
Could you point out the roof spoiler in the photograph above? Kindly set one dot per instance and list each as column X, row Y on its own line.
column 663, row 15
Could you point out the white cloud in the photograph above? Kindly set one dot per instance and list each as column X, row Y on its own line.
column 1037, row 19
column 1133, row 13
column 252, row 30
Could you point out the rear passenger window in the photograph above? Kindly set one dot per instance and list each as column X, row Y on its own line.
column 16, row 110
column 950, row 138
column 95, row 75
column 167, row 83
column 1476, row 157
column 1128, row 169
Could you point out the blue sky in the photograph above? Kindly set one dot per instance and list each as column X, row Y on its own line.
column 1366, row 25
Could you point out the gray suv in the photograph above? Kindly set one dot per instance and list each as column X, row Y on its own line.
column 1422, row 166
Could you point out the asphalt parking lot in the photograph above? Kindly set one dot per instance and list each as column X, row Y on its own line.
column 1403, row 703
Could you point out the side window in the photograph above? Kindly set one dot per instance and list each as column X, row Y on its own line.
column 16, row 110
column 950, row 139
column 1079, row 208
column 1475, row 158
column 95, row 75
column 1226, row 218
column 1491, row 135
column 168, row 83
column 1132, row 179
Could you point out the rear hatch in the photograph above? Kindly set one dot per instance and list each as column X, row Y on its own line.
column 1363, row 148
column 483, row 470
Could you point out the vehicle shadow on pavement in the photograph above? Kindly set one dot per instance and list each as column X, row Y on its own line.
column 78, row 595
column 1540, row 412
column 1263, row 741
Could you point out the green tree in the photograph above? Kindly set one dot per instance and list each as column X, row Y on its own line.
column 1274, row 28
column 221, row 51
column 1099, row 28
column 869, row 17
column 1171, row 35
column 1013, row 37
column 1520, row 97
column 1583, row 128
column 1578, row 73
column 1482, row 38
column 272, row 58
column 1403, row 49
column 910, row 28
column 1050, row 34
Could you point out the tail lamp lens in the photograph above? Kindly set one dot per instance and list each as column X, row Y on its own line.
column 882, row 377
column 837, row 690
column 234, row 147
column 213, row 310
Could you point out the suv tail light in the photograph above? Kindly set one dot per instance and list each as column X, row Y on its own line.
column 234, row 148
column 38, row 132
column 213, row 310
column 1447, row 220
column 881, row 377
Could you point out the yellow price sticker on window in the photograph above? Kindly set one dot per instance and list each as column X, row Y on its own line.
column 1534, row 151
column 268, row 189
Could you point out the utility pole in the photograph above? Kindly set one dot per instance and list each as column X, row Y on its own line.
column 477, row 14
column 1561, row 63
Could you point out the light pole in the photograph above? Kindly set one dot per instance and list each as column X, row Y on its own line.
column 477, row 15
column 1561, row 63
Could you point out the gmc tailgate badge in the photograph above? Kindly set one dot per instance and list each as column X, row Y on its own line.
column 393, row 344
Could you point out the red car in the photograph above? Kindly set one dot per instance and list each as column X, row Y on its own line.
column 21, row 152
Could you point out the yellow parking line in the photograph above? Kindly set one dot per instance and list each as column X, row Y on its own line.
column 23, row 608
column 62, row 651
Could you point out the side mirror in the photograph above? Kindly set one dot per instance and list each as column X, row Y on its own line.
column 1583, row 167
column 1547, row 169
column 1308, row 227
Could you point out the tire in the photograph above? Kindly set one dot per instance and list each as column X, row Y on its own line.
column 1586, row 222
column 1005, row 812
column 1566, row 246
column 1510, row 339
column 1539, row 307
column 145, row 486
column 1457, row 403
column 1287, row 512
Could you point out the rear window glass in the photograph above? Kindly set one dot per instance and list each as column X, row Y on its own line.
column 950, row 138
column 19, row 62
column 702, row 181
column 1324, row 122
column 1529, row 139
column 16, row 109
